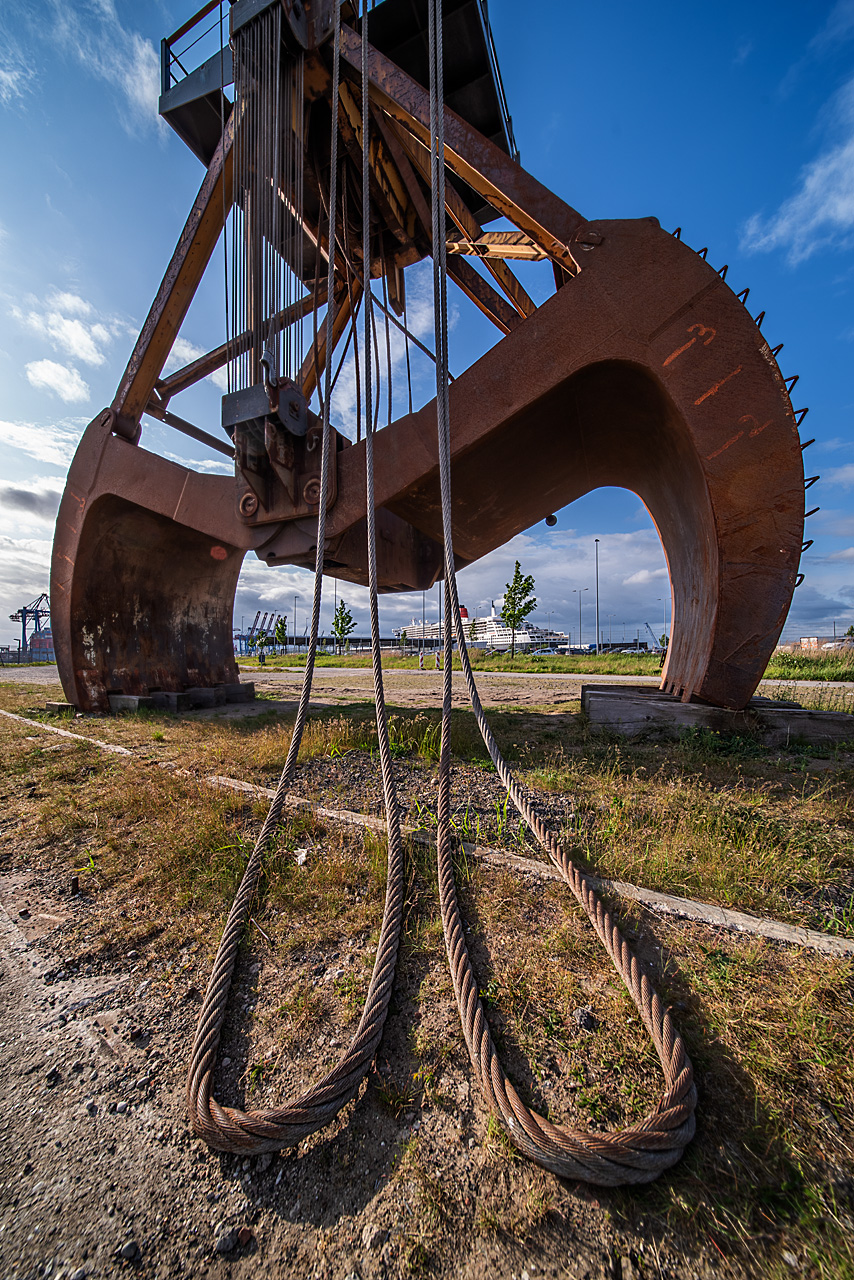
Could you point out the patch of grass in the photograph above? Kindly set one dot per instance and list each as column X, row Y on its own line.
column 832, row 664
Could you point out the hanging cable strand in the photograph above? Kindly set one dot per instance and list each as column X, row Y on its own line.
column 639, row 1153
column 252, row 1132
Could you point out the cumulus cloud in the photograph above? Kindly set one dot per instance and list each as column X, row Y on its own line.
column 562, row 565
column 63, row 320
column 92, row 32
column 643, row 577
column 58, row 379
column 820, row 213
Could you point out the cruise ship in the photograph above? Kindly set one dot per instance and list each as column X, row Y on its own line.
column 487, row 632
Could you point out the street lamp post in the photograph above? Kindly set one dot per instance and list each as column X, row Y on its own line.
column 578, row 591
column 596, row 548
column 610, row 616
column 296, row 597
column 663, row 602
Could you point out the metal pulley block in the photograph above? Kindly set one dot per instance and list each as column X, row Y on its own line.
column 281, row 401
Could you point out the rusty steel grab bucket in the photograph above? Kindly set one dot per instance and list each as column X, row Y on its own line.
column 644, row 372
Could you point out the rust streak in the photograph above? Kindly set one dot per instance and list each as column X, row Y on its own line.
column 713, row 390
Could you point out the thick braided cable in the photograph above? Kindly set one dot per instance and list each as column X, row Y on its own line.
column 251, row 1132
column 637, row 1154
column 395, row 884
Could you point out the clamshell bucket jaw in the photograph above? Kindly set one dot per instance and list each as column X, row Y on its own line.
column 144, row 572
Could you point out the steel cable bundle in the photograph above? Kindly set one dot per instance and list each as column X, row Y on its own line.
column 636, row 1154
column 252, row 1132
column 641, row 1152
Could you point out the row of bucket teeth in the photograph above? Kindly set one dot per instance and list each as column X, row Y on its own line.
column 789, row 382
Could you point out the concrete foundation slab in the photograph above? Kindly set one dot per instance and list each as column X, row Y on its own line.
column 635, row 710
column 60, row 708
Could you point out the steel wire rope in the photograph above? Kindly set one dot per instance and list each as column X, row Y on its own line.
column 251, row 1132
column 639, row 1153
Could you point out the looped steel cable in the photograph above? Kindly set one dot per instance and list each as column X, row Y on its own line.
column 252, row 1132
column 641, row 1152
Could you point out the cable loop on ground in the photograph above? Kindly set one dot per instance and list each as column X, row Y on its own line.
column 257, row 1131
column 641, row 1152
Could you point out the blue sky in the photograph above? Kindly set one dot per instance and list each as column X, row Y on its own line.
column 733, row 121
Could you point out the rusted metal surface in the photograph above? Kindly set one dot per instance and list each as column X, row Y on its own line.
column 645, row 372
column 213, row 360
column 547, row 219
column 182, row 278
column 146, row 557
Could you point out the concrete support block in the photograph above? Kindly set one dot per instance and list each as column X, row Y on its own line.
column 165, row 701
column 60, row 708
column 129, row 702
column 201, row 698
column 240, row 692
column 635, row 710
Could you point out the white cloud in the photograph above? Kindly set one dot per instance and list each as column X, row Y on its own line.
column 838, row 27
column 92, row 32
column 820, row 214
column 70, row 304
column 211, row 466
column 51, row 444
column 16, row 73
column 843, row 476
column 847, row 553
column 58, row 379
column 24, row 575
column 184, row 352
column 57, row 320
column 643, row 577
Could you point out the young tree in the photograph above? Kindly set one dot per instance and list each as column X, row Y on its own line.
column 342, row 623
column 472, row 630
column 403, row 639
column 259, row 642
column 850, row 631
column 281, row 632
column 518, row 603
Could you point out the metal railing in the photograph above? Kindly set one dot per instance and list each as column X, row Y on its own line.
column 170, row 58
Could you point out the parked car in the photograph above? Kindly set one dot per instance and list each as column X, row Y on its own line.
column 539, row 653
